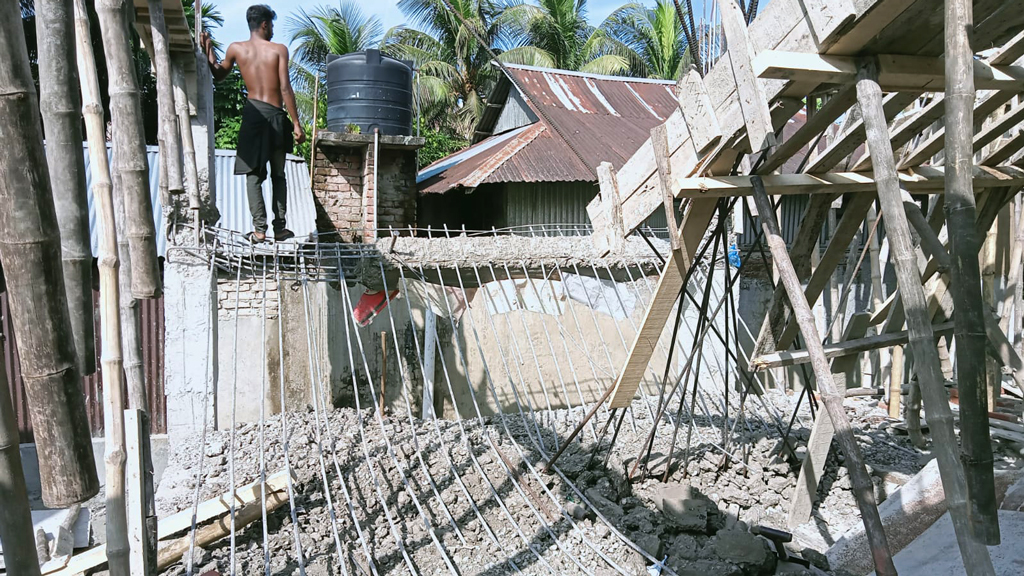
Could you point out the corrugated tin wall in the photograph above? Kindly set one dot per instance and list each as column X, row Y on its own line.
column 514, row 114
column 546, row 203
column 151, row 331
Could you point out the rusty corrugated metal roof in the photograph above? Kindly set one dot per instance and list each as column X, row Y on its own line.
column 607, row 119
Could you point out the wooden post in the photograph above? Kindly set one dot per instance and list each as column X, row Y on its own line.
column 30, row 251
column 61, row 109
column 965, row 281
column 16, row 521
column 823, row 431
column 921, row 340
column 831, row 397
column 129, row 140
column 988, row 263
column 170, row 142
column 187, row 143
column 895, row 381
column 135, row 428
column 312, row 137
column 1018, row 296
column 110, row 321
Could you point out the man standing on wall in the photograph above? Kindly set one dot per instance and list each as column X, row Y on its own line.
column 264, row 135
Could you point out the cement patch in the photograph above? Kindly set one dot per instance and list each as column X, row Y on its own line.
column 935, row 552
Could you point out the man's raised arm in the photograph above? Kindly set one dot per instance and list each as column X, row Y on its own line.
column 289, row 98
column 220, row 70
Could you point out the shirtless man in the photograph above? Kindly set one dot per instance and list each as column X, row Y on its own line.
column 264, row 135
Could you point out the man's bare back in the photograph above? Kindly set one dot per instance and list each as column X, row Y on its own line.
column 264, row 68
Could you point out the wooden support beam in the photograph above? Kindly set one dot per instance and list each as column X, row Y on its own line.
column 921, row 339
column 905, row 132
column 814, row 125
column 659, row 140
column 897, row 72
column 846, row 348
column 823, row 432
column 997, row 128
column 698, row 112
column 695, row 223
column 753, row 103
column 804, row 244
column 1005, row 151
column 846, row 231
column 848, row 141
column 831, row 397
column 923, row 180
column 931, row 146
column 608, row 210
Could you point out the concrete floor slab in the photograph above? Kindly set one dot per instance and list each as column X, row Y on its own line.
column 935, row 553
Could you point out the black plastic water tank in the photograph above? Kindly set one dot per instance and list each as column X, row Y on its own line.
column 369, row 90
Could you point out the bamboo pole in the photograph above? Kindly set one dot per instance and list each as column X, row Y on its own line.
column 187, row 144
column 1018, row 297
column 131, row 348
column 921, row 339
column 129, row 140
column 60, row 106
column 965, row 281
column 896, row 364
column 1013, row 276
column 170, row 142
column 30, row 251
column 110, row 321
column 312, row 140
column 16, row 521
column 831, row 397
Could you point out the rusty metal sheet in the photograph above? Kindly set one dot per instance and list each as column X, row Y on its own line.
column 606, row 118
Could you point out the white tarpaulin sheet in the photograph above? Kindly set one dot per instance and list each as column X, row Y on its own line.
column 606, row 296
column 533, row 295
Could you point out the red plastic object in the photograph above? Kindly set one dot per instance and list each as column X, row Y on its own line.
column 370, row 305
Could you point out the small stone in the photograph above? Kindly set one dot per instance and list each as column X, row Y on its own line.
column 609, row 509
column 677, row 502
column 817, row 559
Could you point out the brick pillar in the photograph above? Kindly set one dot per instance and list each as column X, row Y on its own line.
column 337, row 192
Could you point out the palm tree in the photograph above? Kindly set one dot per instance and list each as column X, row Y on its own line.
column 326, row 30
column 559, row 28
column 654, row 36
column 454, row 71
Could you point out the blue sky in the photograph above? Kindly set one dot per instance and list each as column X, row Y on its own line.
column 235, row 28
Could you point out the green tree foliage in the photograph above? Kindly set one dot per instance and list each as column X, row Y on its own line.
column 654, row 37
column 439, row 143
column 454, row 70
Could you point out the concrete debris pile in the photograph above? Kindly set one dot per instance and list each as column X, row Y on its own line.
column 489, row 510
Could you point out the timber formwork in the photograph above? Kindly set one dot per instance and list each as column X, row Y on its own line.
column 886, row 67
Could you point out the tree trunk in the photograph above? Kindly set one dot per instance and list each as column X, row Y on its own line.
column 129, row 141
column 170, row 141
column 831, row 397
column 110, row 322
column 16, row 521
column 919, row 324
column 62, row 124
column 965, row 275
column 30, row 252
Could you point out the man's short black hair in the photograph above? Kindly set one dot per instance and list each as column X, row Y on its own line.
column 258, row 14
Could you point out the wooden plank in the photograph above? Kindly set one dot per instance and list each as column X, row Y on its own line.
column 814, row 125
column 870, row 24
column 842, row 349
column 609, row 234
column 753, row 103
column 931, row 146
column 1005, row 151
column 848, row 141
column 181, row 521
column 822, row 433
column 138, row 554
column 922, row 180
column 897, row 72
column 1009, row 52
column 827, row 18
column 698, row 112
column 997, row 128
column 695, row 224
column 659, row 140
